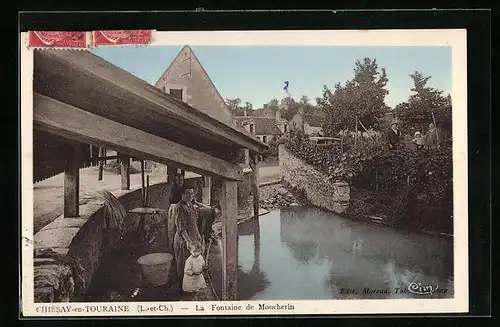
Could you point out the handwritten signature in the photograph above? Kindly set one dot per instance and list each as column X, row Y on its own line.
column 417, row 288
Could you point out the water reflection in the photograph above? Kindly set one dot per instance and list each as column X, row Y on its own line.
column 251, row 280
column 311, row 254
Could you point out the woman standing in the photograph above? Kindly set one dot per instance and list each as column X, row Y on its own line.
column 186, row 231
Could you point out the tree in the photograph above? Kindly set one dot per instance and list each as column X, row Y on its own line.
column 304, row 99
column 233, row 103
column 423, row 104
column 273, row 103
column 248, row 105
column 360, row 99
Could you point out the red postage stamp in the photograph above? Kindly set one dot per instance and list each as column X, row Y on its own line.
column 122, row 37
column 54, row 39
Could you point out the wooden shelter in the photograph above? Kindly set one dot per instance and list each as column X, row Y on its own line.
column 81, row 100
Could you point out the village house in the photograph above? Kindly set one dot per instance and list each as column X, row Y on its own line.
column 265, row 128
column 186, row 79
column 310, row 124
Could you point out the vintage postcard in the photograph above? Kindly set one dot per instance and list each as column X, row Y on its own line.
column 244, row 173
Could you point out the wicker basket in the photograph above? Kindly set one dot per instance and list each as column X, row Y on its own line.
column 155, row 268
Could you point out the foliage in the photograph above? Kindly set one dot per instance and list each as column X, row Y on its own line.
column 418, row 182
column 361, row 98
column 233, row 103
column 115, row 168
column 272, row 151
column 424, row 102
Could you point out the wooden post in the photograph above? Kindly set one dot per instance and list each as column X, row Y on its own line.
column 356, row 129
column 72, row 185
column 205, row 191
column 436, row 128
column 143, row 191
column 101, row 163
column 255, row 186
column 125, row 171
column 229, row 206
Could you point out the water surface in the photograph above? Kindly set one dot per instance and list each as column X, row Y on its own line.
column 306, row 253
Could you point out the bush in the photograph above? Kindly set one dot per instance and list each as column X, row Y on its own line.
column 418, row 182
column 115, row 168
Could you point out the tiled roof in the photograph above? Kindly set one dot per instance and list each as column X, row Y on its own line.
column 263, row 125
column 314, row 120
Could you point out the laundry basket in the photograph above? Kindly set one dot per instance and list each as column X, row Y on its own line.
column 155, row 268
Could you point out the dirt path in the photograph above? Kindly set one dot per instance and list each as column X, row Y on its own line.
column 48, row 194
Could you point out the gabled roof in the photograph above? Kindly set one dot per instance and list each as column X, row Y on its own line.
column 263, row 125
column 201, row 93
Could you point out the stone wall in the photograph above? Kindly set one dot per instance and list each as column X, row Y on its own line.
column 319, row 190
column 85, row 240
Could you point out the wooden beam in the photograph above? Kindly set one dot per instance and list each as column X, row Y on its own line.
column 104, row 158
column 71, row 76
column 228, row 202
column 125, row 171
column 62, row 119
column 72, row 185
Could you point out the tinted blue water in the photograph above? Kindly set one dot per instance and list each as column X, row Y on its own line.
column 306, row 253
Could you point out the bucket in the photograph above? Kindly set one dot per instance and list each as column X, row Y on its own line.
column 155, row 268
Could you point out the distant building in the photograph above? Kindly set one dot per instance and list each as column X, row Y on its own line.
column 186, row 79
column 264, row 128
column 310, row 124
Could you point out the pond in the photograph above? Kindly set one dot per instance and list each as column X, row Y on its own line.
column 306, row 253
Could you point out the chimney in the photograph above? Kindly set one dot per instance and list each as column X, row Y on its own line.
column 278, row 115
column 245, row 112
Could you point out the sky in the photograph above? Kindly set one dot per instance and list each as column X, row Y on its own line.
column 257, row 73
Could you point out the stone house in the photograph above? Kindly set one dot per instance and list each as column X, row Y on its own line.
column 310, row 124
column 186, row 79
column 265, row 128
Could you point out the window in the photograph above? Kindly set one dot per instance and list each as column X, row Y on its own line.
column 285, row 127
column 176, row 93
column 252, row 128
column 164, row 89
column 264, row 139
column 259, row 138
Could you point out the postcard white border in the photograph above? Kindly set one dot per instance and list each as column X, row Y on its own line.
column 454, row 38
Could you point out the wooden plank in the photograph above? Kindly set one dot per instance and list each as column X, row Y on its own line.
column 70, row 76
column 73, row 123
column 72, row 186
column 125, row 171
column 229, row 207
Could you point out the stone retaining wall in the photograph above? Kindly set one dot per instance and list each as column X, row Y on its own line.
column 319, row 190
column 85, row 239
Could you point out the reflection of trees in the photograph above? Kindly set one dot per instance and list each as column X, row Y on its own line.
column 304, row 250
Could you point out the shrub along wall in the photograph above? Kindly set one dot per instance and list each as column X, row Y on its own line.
column 410, row 187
